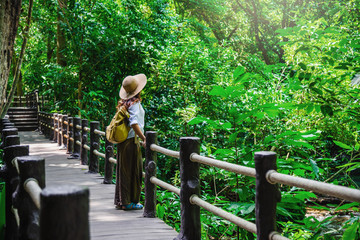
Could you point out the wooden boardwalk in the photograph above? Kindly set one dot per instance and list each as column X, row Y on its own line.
column 105, row 221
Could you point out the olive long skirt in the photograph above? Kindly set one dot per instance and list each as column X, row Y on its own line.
column 128, row 173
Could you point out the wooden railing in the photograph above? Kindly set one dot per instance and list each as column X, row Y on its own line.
column 72, row 134
column 33, row 211
column 30, row 100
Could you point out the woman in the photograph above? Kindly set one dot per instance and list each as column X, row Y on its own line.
column 129, row 160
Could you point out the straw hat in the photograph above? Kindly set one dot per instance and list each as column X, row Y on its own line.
column 132, row 85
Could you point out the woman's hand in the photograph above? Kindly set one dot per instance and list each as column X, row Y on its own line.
column 138, row 132
column 143, row 143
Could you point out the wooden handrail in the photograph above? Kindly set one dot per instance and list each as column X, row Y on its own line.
column 26, row 174
column 165, row 185
column 32, row 187
column 244, row 224
column 247, row 171
column 267, row 177
column 341, row 192
column 165, row 151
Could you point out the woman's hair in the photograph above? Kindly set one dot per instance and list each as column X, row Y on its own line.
column 127, row 103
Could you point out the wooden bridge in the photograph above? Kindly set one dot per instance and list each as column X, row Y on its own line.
column 105, row 221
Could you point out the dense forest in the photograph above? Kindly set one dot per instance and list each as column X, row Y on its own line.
column 242, row 75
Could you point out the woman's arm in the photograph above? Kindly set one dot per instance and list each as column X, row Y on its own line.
column 138, row 132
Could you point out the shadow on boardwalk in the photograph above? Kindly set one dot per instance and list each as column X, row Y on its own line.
column 105, row 221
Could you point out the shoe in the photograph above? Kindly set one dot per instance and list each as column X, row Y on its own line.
column 132, row 206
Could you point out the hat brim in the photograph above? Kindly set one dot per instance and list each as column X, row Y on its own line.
column 141, row 79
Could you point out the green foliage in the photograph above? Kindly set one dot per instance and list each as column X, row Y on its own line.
column 243, row 76
column 168, row 208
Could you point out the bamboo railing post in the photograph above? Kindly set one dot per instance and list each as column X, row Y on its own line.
column 2, row 127
column 11, row 140
column 64, row 213
column 8, row 124
column 37, row 107
column 70, row 135
column 94, row 145
column 48, row 123
column 150, row 171
column 2, row 121
column 7, row 132
column 267, row 195
column 51, row 125
column 190, row 185
column 30, row 167
column 11, row 182
column 109, row 166
column 37, row 99
column 27, row 100
column 84, row 137
column 40, row 121
column 64, row 132
column 43, row 124
column 59, row 137
column 55, row 115
column 76, row 132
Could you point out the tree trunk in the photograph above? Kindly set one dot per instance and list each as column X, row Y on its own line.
column 49, row 46
column 61, row 40
column 19, row 86
column 19, row 91
column 9, row 22
column 259, row 41
column 19, row 62
column 80, row 72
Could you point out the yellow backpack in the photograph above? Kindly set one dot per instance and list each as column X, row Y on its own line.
column 118, row 129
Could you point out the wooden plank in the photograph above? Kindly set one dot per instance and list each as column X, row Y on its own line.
column 106, row 222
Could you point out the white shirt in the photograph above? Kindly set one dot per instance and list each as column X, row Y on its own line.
column 137, row 116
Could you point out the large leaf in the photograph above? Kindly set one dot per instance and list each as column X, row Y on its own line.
column 238, row 72
column 343, row 145
column 302, row 195
column 243, row 78
column 298, row 143
column 197, row 120
column 233, row 137
column 351, row 232
column 310, row 137
column 243, row 208
column 271, row 112
column 218, row 91
column 327, row 110
column 314, row 167
column 347, row 206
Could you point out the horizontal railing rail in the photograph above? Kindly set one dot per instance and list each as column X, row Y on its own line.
column 341, row 192
column 165, row 151
column 32, row 187
column 247, row 171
